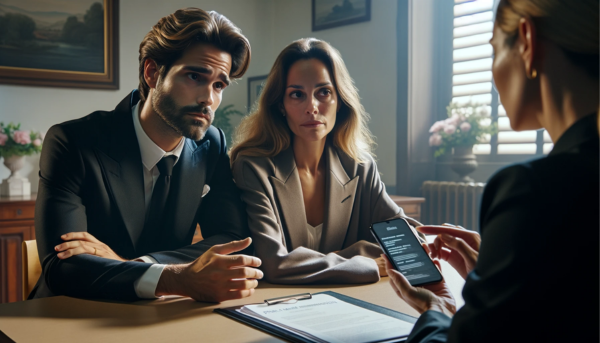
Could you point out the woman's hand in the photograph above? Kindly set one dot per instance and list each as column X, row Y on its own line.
column 454, row 244
column 381, row 264
column 435, row 297
column 77, row 243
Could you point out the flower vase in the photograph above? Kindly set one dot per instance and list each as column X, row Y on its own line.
column 15, row 184
column 464, row 162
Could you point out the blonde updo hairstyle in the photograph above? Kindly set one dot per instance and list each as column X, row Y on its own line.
column 572, row 25
column 265, row 132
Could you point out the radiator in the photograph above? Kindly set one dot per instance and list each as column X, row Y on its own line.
column 452, row 202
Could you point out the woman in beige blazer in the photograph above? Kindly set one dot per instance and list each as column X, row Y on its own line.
column 303, row 162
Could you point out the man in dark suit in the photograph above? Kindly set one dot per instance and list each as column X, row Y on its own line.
column 121, row 192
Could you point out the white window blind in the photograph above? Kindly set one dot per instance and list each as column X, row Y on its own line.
column 472, row 80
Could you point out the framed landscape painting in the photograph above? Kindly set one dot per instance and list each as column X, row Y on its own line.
column 327, row 14
column 255, row 87
column 62, row 43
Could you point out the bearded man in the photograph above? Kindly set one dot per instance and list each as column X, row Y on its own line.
column 122, row 192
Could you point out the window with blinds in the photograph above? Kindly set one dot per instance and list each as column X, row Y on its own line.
column 472, row 80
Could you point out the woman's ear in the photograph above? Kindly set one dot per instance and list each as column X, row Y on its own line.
column 151, row 73
column 527, row 46
column 282, row 109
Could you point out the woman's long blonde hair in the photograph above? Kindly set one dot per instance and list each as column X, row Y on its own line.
column 265, row 131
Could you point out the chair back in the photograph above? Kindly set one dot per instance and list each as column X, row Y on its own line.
column 32, row 269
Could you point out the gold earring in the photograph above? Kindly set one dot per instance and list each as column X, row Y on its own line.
column 533, row 74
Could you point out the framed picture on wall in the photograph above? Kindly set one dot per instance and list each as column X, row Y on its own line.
column 59, row 43
column 333, row 13
column 255, row 86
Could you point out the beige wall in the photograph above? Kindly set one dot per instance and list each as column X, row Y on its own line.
column 368, row 48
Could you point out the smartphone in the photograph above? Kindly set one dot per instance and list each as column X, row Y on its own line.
column 404, row 250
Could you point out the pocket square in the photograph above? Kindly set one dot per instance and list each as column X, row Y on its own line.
column 205, row 190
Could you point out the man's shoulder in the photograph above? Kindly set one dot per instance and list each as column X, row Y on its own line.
column 91, row 125
column 215, row 136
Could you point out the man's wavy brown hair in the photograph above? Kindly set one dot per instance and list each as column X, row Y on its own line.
column 173, row 34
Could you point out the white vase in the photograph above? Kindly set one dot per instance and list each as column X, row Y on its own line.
column 15, row 184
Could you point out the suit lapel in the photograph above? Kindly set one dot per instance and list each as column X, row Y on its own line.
column 340, row 193
column 286, row 183
column 121, row 161
column 187, row 193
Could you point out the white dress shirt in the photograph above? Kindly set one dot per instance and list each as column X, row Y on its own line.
column 145, row 286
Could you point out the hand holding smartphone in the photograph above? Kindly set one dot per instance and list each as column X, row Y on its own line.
column 405, row 252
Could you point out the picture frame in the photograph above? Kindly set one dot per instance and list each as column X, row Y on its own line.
column 64, row 44
column 255, row 86
column 327, row 14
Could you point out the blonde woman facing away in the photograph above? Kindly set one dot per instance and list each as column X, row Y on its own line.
column 534, row 278
column 303, row 162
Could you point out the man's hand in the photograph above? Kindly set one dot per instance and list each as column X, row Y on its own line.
column 456, row 245
column 436, row 297
column 77, row 243
column 215, row 276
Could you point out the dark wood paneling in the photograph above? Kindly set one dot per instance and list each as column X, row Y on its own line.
column 11, row 239
column 16, row 226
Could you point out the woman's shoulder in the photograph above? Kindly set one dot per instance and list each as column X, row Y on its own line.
column 544, row 182
column 254, row 162
column 550, row 171
column 365, row 164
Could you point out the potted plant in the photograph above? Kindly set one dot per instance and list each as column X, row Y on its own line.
column 222, row 120
column 466, row 125
column 15, row 144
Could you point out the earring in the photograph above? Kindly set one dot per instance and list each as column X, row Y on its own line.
column 533, row 74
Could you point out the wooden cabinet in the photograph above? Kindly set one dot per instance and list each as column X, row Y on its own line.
column 410, row 205
column 16, row 226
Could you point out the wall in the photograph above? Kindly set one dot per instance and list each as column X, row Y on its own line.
column 41, row 107
column 424, row 86
column 369, row 50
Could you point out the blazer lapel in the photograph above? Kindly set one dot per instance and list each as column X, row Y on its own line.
column 187, row 192
column 286, row 183
column 340, row 193
column 121, row 161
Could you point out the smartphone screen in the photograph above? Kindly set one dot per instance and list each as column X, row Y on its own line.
column 404, row 250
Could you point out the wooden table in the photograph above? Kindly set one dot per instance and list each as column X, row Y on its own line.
column 64, row 319
column 410, row 205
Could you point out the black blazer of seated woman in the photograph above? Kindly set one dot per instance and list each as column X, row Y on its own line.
column 538, row 262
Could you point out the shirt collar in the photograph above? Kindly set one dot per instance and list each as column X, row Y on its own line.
column 151, row 153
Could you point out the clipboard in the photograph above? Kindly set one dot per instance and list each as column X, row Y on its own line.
column 293, row 337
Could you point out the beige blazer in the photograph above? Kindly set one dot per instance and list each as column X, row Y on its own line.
column 355, row 198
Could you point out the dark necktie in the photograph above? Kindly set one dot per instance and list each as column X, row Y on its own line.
column 156, row 211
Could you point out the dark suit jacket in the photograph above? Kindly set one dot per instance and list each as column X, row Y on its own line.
column 536, row 279
column 91, row 179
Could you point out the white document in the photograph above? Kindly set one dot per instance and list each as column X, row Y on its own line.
column 329, row 319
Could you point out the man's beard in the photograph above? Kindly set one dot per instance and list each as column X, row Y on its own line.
column 177, row 118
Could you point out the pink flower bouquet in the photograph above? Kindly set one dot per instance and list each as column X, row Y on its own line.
column 14, row 141
column 465, row 126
